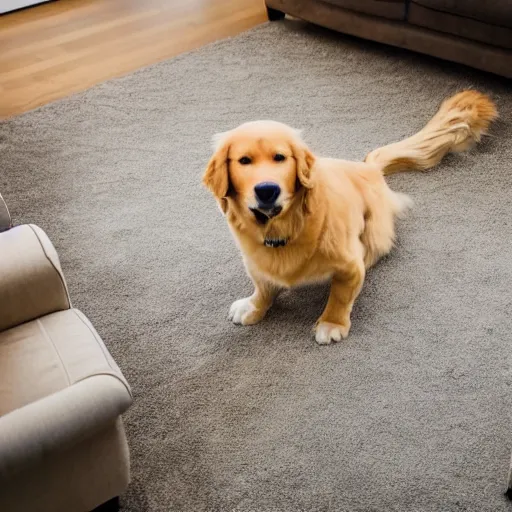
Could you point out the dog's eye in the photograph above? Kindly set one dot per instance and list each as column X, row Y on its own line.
column 278, row 157
column 245, row 160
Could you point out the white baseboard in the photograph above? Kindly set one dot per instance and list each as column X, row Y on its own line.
column 12, row 5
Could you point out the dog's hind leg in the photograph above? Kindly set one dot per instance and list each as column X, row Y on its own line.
column 378, row 237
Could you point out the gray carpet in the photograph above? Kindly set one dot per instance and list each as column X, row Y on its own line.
column 412, row 412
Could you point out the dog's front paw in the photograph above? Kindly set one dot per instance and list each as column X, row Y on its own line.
column 327, row 332
column 243, row 312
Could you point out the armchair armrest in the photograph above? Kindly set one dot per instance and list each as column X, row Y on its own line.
column 31, row 279
column 60, row 420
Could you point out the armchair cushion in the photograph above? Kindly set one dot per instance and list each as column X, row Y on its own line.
column 50, row 354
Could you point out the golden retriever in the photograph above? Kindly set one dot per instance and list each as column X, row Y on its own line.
column 298, row 218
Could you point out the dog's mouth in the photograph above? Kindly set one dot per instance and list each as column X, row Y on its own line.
column 263, row 215
column 275, row 242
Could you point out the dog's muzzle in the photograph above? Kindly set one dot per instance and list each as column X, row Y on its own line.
column 263, row 215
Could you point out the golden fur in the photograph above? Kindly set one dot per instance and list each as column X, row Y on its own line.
column 337, row 217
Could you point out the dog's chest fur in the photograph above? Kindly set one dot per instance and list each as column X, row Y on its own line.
column 288, row 266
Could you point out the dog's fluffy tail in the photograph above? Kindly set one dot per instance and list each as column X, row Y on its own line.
column 459, row 123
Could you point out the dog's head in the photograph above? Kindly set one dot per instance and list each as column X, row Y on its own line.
column 260, row 171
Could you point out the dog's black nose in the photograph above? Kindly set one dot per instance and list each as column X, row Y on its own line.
column 267, row 193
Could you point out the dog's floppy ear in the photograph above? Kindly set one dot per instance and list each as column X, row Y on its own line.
column 216, row 176
column 305, row 162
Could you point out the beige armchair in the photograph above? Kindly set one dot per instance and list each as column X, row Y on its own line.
column 5, row 217
column 62, row 443
column 509, row 483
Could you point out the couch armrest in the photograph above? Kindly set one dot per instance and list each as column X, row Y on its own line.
column 29, row 434
column 31, row 279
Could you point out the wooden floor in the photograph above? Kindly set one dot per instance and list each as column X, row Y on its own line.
column 52, row 50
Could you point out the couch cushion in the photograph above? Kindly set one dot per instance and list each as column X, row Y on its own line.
column 459, row 25
column 47, row 355
column 392, row 9
column 494, row 12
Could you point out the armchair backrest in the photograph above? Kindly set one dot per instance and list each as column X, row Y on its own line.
column 31, row 280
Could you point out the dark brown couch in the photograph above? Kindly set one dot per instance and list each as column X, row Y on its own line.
column 477, row 33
